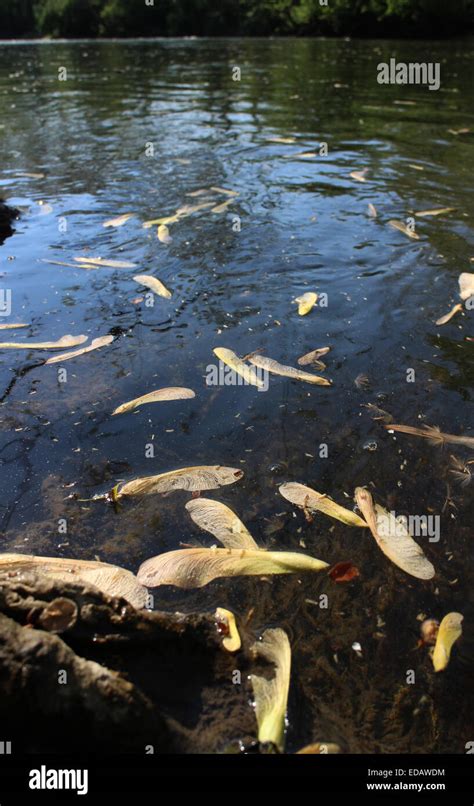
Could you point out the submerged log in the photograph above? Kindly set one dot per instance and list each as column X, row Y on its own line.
column 7, row 216
column 81, row 670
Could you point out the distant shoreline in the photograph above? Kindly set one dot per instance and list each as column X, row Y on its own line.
column 424, row 20
column 46, row 40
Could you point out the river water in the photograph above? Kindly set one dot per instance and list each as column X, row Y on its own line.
column 92, row 130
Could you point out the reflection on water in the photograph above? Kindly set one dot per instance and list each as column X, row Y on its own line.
column 135, row 128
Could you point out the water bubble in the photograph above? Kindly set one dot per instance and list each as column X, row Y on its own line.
column 370, row 445
column 278, row 468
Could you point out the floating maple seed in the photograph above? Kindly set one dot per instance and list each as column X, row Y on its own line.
column 271, row 696
column 308, row 499
column 278, row 139
column 402, row 227
column 202, row 477
column 466, row 285
column 158, row 396
column 393, row 538
column 96, row 344
column 433, row 434
column 302, row 155
column 153, row 283
column 221, row 208
column 270, row 365
column 313, row 358
column 359, row 175
column 119, row 221
column 306, row 302
column 227, row 627
column 110, row 579
column 163, row 234
column 99, row 261
column 64, row 341
column 194, row 568
column 218, row 519
column 443, row 320
column 449, row 631
column 238, row 365
column 436, row 211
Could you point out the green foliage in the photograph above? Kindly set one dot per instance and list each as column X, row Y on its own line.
column 268, row 17
column 203, row 17
column 16, row 17
column 132, row 18
column 69, row 18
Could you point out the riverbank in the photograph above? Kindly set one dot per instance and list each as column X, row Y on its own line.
column 83, row 669
column 131, row 18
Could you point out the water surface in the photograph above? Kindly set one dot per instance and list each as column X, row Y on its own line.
column 136, row 127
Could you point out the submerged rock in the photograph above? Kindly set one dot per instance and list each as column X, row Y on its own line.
column 7, row 216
